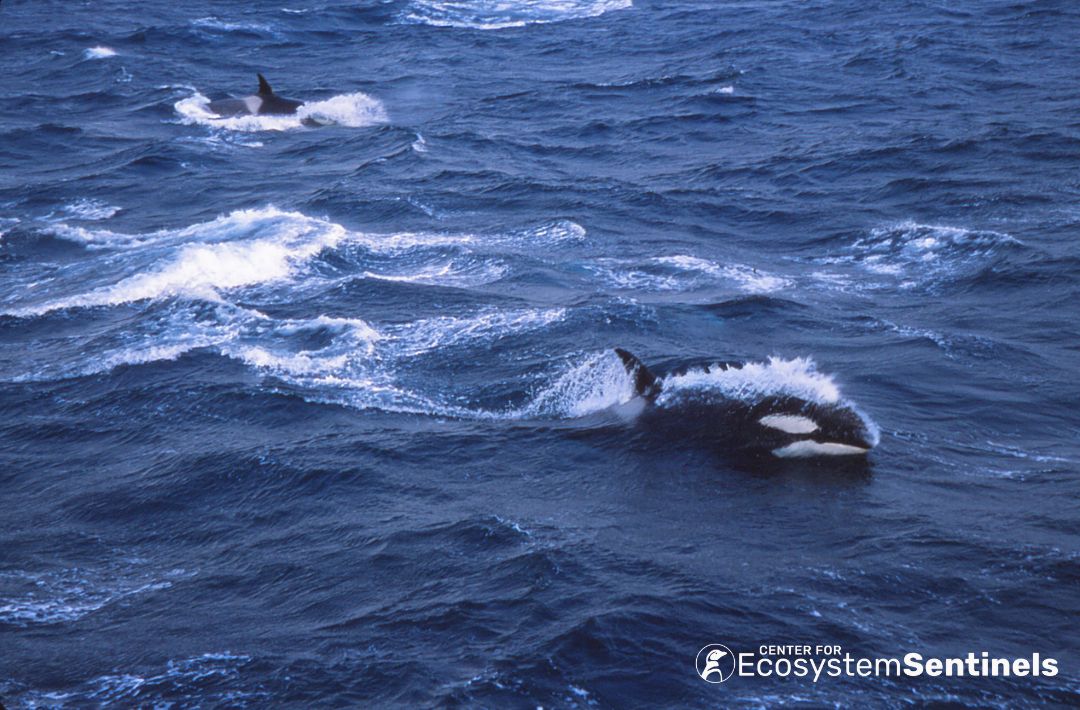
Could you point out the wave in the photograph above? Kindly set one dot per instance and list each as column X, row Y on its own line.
column 456, row 273
column 919, row 255
column 213, row 24
column 195, row 287
column 260, row 246
column 201, row 271
column 210, row 678
column 355, row 110
column 431, row 334
column 28, row 599
column 7, row 224
column 497, row 14
column 86, row 210
column 238, row 224
column 360, row 366
column 684, row 273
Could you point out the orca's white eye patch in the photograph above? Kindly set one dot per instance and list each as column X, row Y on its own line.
column 789, row 423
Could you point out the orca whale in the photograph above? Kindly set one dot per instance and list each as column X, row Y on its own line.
column 784, row 426
column 262, row 103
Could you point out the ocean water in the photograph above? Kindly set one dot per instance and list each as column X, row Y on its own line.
column 323, row 410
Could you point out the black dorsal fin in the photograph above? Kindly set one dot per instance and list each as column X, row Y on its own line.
column 264, row 86
column 644, row 381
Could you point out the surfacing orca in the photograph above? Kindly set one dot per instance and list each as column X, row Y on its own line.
column 783, row 425
column 263, row 103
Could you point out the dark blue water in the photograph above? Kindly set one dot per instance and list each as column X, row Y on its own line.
column 330, row 416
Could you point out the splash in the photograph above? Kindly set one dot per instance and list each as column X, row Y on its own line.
column 596, row 383
column 356, row 110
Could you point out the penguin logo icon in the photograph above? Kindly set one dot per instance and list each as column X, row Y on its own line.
column 715, row 663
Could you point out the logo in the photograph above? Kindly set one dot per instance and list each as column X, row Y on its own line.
column 715, row 663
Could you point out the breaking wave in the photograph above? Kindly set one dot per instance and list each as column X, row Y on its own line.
column 212, row 287
column 267, row 245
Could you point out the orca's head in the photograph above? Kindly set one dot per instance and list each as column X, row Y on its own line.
column 816, row 430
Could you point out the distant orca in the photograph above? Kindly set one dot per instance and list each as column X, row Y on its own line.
column 784, row 425
column 263, row 103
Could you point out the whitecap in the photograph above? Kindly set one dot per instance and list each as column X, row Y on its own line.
column 487, row 326
column 197, row 271
column 99, row 53
column 499, row 14
column 448, row 273
column 88, row 210
column 215, row 24
column 912, row 255
column 238, row 224
column 683, row 272
column 244, row 248
column 191, row 283
column 420, row 145
column 359, row 366
column 562, row 230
